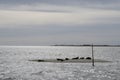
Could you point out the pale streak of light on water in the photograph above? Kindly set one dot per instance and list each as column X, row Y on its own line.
column 14, row 64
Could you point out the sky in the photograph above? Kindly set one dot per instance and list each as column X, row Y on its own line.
column 49, row 22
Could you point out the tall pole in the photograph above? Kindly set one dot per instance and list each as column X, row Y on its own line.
column 92, row 57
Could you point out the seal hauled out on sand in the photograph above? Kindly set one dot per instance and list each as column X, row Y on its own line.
column 82, row 58
column 66, row 58
column 40, row 60
column 59, row 59
column 75, row 58
column 89, row 58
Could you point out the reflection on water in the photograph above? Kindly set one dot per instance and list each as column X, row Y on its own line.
column 14, row 64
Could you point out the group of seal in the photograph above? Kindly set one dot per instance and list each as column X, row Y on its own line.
column 75, row 58
column 65, row 59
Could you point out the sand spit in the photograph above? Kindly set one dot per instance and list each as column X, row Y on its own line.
column 70, row 60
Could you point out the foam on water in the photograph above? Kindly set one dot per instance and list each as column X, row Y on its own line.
column 14, row 64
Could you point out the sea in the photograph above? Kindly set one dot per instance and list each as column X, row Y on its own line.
column 15, row 63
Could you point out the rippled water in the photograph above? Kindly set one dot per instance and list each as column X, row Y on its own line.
column 15, row 64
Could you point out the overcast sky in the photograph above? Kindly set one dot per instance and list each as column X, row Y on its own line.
column 48, row 22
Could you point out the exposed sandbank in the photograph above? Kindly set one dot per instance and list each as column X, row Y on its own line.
column 70, row 61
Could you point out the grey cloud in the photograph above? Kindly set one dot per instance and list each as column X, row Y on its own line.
column 97, row 4
column 60, row 34
column 56, row 11
column 57, row 2
column 32, row 31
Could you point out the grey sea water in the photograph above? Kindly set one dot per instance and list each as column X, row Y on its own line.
column 15, row 64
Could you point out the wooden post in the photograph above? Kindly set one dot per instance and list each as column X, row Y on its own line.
column 92, row 57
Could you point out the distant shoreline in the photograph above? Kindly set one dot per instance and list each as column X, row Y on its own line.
column 87, row 45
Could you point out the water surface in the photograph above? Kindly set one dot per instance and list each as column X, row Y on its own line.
column 15, row 64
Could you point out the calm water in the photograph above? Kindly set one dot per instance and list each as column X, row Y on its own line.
column 14, row 64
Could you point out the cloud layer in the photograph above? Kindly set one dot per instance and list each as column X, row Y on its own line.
column 80, row 17
column 104, row 4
